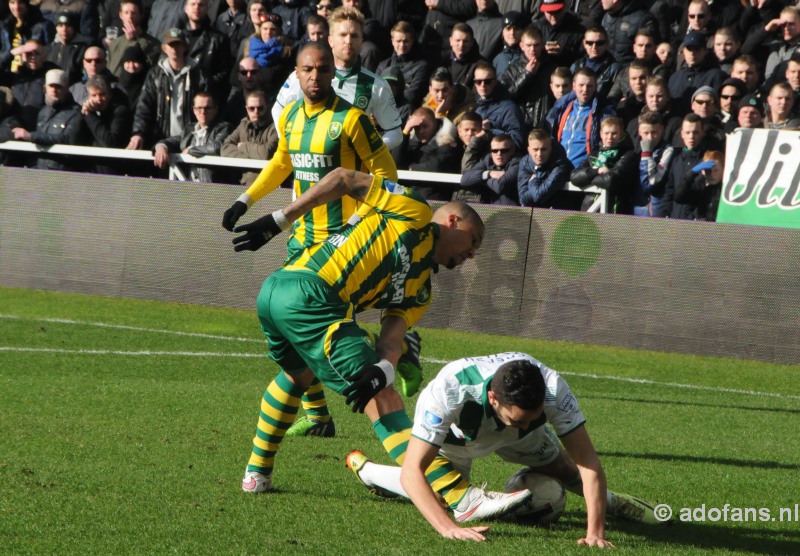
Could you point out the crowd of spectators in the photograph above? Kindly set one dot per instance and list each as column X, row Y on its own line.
column 520, row 97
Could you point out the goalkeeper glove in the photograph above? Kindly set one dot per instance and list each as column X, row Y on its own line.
column 367, row 383
column 233, row 214
column 259, row 232
column 408, row 367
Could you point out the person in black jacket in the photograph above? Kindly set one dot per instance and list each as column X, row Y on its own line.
column 108, row 119
column 613, row 167
column 622, row 20
column 409, row 59
column 701, row 187
column 175, row 76
column 8, row 121
column 562, row 33
column 204, row 138
column 431, row 144
column 528, row 79
column 207, row 46
column 67, row 49
column 494, row 179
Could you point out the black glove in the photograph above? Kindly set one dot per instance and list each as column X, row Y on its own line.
column 366, row 384
column 256, row 233
column 233, row 214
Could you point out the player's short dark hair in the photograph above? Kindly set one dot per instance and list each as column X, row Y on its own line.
column 692, row 118
column 519, row 383
column 318, row 46
column 596, row 29
column 483, row 65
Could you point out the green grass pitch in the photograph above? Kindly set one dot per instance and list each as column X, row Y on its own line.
column 126, row 425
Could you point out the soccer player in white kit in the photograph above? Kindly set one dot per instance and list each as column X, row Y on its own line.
column 358, row 86
column 514, row 406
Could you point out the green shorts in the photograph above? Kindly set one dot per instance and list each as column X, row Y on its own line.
column 308, row 326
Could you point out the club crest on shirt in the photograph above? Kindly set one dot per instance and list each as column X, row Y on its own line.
column 361, row 101
column 334, row 130
column 423, row 296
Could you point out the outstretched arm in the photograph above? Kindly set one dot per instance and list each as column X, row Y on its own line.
column 334, row 186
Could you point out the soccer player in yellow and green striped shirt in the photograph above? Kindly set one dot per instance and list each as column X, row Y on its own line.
column 382, row 259
column 318, row 133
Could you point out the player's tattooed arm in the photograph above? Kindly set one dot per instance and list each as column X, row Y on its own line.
column 333, row 186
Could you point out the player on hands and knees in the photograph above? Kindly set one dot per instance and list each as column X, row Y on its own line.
column 383, row 260
column 477, row 406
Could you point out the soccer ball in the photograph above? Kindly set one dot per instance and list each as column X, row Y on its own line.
column 547, row 503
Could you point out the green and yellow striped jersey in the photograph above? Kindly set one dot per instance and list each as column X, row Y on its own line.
column 384, row 258
column 316, row 139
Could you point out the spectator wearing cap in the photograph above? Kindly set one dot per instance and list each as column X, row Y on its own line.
column 781, row 101
column 599, row 59
column 730, row 93
column 164, row 108
column 488, row 27
column 562, row 32
column 130, row 15
column 94, row 64
column 394, row 77
column 59, row 122
column 24, row 23
column 134, row 72
column 696, row 18
column 513, row 22
column 706, row 105
column 751, row 112
column 66, row 51
column 107, row 118
column 528, row 79
column 622, row 20
column 701, row 69
column 408, row 58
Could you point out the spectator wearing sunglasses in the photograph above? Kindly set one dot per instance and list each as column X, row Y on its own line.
column 493, row 181
column 598, row 59
column 730, row 93
column 249, row 78
column 255, row 137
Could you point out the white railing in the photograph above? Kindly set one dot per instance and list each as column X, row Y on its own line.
column 177, row 173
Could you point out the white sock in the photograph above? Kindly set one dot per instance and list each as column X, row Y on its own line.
column 384, row 476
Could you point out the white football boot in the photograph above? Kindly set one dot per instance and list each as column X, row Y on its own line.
column 256, row 483
column 482, row 504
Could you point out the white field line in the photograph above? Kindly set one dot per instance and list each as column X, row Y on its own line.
column 245, row 355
